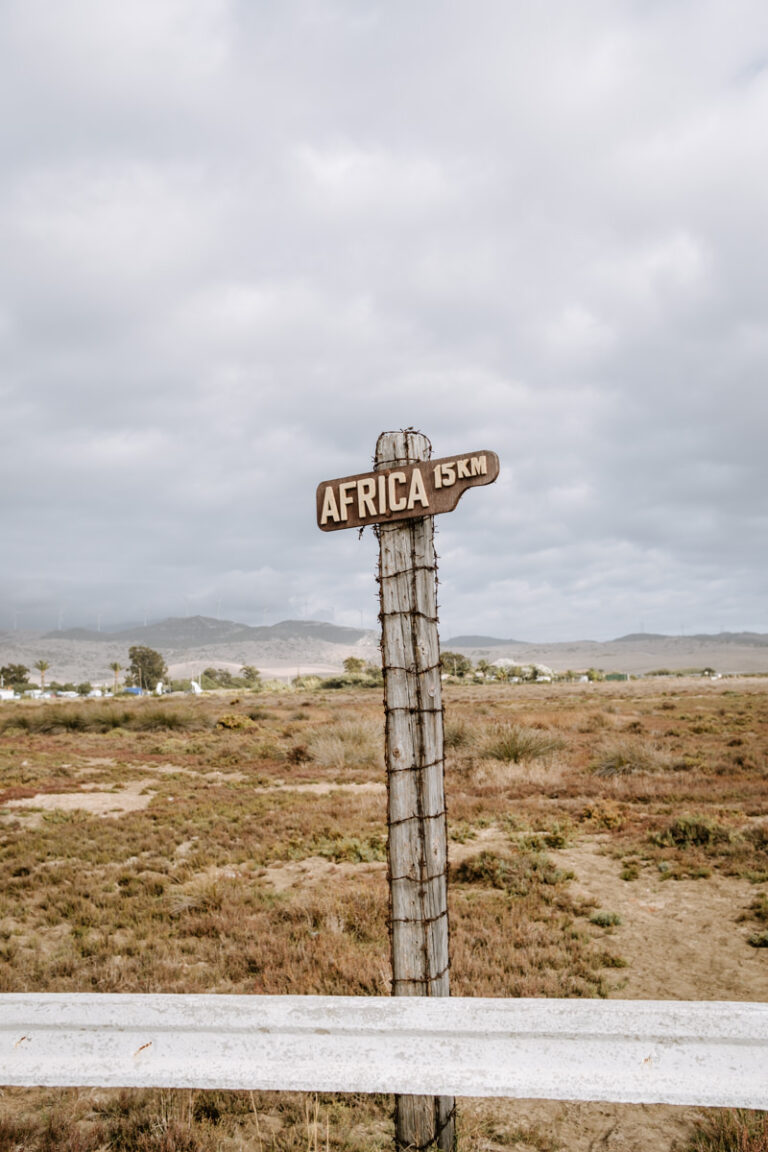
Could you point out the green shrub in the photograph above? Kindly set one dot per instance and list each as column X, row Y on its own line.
column 758, row 909
column 605, row 919
column 758, row 837
column 691, row 831
column 352, row 849
column 235, row 721
column 307, row 683
column 515, row 874
column 371, row 678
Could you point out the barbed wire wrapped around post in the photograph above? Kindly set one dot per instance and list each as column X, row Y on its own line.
column 416, row 814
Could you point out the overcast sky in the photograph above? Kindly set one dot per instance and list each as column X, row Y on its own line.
column 239, row 239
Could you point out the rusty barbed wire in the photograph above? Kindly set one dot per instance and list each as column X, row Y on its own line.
column 421, row 686
column 404, row 571
column 413, row 668
column 409, row 819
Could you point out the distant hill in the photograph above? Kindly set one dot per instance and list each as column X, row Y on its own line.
column 725, row 639
column 638, row 652
column 756, row 639
column 476, row 642
column 88, row 634
column 639, row 637
column 190, row 643
column 308, row 630
column 185, row 632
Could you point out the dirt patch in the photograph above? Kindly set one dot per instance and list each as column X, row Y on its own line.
column 323, row 788
column 680, row 938
column 681, row 941
column 156, row 769
column 131, row 798
column 317, row 870
column 577, row 1127
column 164, row 769
column 312, row 872
column 485, row 840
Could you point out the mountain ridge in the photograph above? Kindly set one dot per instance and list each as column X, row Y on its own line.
column 189, row 644
column 200, row 631
column 758, row 639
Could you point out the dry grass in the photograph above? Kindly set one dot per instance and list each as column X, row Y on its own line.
column 622, row 758
column 347, row 744
column 181, row 896
column 516, row 744
column 731, row 1130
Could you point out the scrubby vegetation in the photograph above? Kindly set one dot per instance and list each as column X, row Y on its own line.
column 255, row 862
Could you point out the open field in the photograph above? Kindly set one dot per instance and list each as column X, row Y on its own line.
column 605, row 840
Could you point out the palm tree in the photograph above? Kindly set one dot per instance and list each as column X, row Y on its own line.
column 42, row 667
column 116, row 668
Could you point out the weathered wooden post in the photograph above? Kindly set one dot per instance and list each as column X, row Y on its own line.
column 401, row 497
column 417, row 842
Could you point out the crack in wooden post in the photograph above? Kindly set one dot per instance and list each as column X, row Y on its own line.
column 417, row 841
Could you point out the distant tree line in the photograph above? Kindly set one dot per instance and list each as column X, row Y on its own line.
column 147, row 668
column 357, row 674
column 249, row 677
column 456, row 666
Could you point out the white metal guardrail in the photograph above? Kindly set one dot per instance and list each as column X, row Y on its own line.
column 672, row 1052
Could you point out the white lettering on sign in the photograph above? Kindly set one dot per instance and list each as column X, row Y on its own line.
column 382, row 494
column 345, row 497
column 330, row 511
column 366, row 490
column 396, row 503
column 404, row 492
column 418, row 491
column 445, row 475
column 374, row 499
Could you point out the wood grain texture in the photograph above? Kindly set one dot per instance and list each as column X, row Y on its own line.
column 417, row 845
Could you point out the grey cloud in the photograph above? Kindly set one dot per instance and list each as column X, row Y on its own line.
column 241, row 240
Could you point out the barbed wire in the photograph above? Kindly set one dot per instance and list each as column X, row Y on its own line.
column 417, row 689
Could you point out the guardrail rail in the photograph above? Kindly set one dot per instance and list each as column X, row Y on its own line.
column 672, row 1052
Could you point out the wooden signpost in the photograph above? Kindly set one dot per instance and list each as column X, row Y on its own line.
column 403, row 494
column 398, row 491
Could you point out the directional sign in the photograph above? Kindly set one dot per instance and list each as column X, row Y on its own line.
column 402, row 493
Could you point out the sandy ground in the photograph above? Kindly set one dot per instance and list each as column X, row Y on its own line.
column 681, row 941
column 322, row 789
column 680, row 937
column 582, row 1127
column 131, row 798
column 313, row 872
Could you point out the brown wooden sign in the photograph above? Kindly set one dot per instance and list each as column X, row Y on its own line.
column 402, row 493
